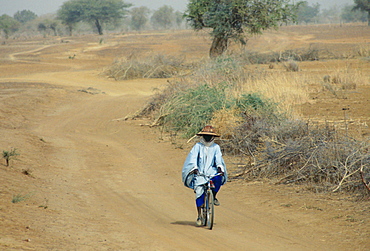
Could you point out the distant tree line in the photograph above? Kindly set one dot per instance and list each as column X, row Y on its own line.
column 358, row 12
column 117, row 15
column 91, row 15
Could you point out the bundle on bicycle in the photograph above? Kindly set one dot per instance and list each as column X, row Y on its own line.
column 204, row 171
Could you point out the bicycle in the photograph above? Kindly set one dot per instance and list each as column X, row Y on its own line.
column 208, row 208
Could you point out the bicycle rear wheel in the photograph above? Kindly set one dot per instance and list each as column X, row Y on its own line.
column 210, row 209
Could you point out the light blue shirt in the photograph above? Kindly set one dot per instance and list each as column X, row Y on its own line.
column 206, row 159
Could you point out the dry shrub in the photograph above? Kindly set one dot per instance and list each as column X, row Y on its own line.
column 154, row 66
column 348, row 79
column 303, row 54
column 224, row 69
column 363, row 50
column 291, row 66
column 250, row 57
column 341, row 81
column 225, row 120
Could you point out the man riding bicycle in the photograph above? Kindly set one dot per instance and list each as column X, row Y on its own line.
column 204, row 160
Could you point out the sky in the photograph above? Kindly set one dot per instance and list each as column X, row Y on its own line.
column 41, row 7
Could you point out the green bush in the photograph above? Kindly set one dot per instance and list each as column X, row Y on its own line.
column 190, row 110
column 257, row 104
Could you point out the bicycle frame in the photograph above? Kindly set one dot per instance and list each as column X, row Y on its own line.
column 208, row 210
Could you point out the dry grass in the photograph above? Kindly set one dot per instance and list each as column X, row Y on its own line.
column 342, row 80
column 284, row 88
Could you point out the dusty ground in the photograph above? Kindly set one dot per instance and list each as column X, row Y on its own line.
column 90, row 182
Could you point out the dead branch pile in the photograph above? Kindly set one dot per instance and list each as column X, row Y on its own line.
column 298, row 152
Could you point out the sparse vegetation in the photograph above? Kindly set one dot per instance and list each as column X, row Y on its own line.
column 253, row 113
column 19, row 198
column 8, row 155
column 45, row 205
column 296, row 55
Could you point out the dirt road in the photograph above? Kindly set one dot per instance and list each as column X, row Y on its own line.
column 97, row 183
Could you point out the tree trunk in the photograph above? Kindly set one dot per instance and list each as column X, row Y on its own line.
column 70, row 29
column 55, row 31
column 219, row 46
column 98, row 26
column 368, row 18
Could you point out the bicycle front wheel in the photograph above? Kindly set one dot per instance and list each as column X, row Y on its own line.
column 210, row 209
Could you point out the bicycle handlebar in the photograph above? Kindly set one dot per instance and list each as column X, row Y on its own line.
column 210, row 176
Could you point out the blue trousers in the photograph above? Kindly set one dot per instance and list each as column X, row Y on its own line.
column 217, row 182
